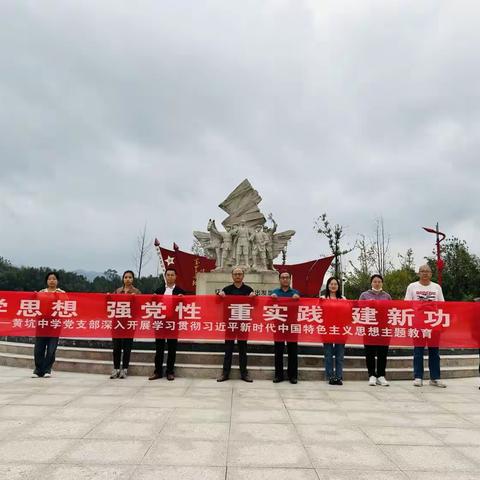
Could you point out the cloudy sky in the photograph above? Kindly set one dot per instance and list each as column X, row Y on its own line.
column 119, row 113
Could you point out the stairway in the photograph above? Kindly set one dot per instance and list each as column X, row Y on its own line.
column 204, row 359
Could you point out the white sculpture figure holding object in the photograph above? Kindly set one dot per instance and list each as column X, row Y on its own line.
column 259, row 249
column 269, row 234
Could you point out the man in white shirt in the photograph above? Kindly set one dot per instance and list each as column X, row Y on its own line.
column 427, row 291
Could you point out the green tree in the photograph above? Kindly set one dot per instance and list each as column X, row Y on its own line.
column 334, row 235
column 397, row 280
column 461, row 273
column 358, row 280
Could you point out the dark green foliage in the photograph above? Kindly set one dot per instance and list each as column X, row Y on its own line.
column 461, row 274
column 33, row 279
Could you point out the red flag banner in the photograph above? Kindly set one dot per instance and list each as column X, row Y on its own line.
column 212, row 317
column 186, row 265
column 307, row 277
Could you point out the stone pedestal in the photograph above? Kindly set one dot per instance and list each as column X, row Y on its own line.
column 209, row 283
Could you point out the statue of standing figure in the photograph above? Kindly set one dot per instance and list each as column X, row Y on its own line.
column 259, row 249
column 242, row 252
column 269, row 234
column 224, row 257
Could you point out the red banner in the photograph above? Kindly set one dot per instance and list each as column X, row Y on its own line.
column 396, row 323
column 307, row 277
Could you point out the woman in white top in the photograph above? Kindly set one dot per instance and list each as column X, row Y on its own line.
column 46, row 347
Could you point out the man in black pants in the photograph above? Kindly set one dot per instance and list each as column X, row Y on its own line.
column 169, row 289
column 236, row 288
column 285, row 290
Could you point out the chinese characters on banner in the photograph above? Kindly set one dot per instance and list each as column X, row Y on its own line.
column 210, row 317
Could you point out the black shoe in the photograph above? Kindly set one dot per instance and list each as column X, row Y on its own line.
column 293, row 380
column 338, row 381
column 331, row 381
column 246, row 378
column 222, row 378
column 155, row 376
column 170, row 377
column 278, row 379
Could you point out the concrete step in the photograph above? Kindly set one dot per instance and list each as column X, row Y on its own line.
column 216, row 358
column 208, row 364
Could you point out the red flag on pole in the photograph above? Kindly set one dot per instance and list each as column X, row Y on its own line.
column 186, row 265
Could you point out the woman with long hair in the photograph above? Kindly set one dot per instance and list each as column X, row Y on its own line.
column 46, row 347
column 333, row 353
column 122, row 347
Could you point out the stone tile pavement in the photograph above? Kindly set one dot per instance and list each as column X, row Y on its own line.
column 81, row 426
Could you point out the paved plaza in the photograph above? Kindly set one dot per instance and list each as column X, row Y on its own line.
column 85, row 426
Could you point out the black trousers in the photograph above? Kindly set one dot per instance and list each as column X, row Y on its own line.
column 292, row 350
column 380, row 352
column 120, row 344
column 242, row 356
column 171, row 355
column 44, row 354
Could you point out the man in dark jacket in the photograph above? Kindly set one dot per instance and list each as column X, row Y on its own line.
column 170, row 288
column 236, row 288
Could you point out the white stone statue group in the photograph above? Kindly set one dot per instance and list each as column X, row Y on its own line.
column 239, row 244
column 246, row 241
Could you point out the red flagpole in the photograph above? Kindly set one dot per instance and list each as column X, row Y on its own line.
column 439, row 238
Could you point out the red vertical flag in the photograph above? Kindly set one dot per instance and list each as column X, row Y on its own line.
column 186, row 265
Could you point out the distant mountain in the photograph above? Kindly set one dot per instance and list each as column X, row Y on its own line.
column 89, row 275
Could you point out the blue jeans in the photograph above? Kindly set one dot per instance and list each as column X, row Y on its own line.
column 330, row 350
column 433, row 362
column 44, row 354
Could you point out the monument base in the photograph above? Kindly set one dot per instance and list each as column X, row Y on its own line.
column 210, row 283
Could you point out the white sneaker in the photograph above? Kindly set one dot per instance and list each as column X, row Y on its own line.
column 123, row 373
column 115, row 373
column 418, row 382
column 47, row 375
column 372, row 381
column 382, row 381
column 437, row 383
column 34, row 375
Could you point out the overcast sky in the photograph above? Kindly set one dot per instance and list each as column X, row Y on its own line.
column 117, row 113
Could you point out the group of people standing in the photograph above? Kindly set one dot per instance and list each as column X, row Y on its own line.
column 375, row 355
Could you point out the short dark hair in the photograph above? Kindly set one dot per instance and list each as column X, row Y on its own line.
column 376, row 275
column 170, row 269
column 285, row 271
column 52, row 273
